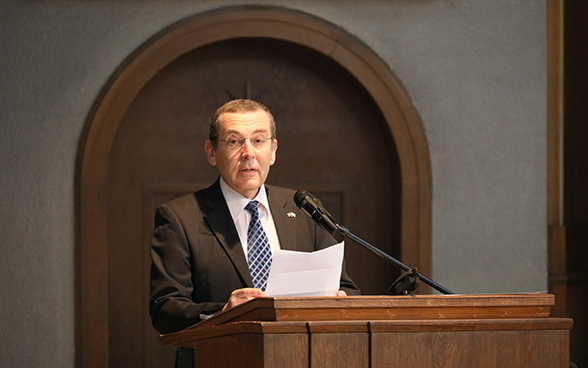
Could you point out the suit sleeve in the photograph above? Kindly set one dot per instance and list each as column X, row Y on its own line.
column 171, row 305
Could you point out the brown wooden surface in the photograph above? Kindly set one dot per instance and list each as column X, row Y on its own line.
column 339, row 349
column 187, row 336
column 477, row 348
column 387, row 307
column 575, row 176
column 251, row 348
column 481, row 343
column 555, row 169
column 482, row 331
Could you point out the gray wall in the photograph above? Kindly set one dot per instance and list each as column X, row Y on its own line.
column 475, row 69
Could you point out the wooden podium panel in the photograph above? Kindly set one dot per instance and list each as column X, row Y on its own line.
column 524, row 343
column 448, row 331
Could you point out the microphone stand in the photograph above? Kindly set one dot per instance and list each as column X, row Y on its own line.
column 408, row 281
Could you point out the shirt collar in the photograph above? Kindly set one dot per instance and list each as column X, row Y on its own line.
column 237, row 202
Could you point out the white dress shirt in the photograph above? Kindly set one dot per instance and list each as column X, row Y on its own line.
column 241, row 217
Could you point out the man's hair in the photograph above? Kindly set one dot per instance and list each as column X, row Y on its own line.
column 237, row 106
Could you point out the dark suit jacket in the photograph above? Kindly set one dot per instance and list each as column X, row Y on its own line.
column 198, row 260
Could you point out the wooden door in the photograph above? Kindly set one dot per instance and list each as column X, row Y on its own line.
column 333, row 141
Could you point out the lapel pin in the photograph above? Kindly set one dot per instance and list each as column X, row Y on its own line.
column 291, row 214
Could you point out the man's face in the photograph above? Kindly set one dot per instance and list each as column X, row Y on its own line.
column 244, row 168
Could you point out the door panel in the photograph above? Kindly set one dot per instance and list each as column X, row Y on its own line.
column 332, row 139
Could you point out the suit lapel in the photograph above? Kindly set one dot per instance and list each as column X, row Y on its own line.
column 221, row 223
column 282, row 215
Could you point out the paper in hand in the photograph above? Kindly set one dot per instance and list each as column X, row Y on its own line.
column 295, row 274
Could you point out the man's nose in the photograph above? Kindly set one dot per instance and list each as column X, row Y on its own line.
column 247, row 149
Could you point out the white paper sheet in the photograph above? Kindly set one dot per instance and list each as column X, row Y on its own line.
column 305, row 273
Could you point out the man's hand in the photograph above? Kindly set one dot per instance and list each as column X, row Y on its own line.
column 240, row 296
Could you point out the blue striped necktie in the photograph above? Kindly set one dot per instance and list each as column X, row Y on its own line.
column 259, row 254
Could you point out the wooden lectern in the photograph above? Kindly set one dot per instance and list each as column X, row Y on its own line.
column 470, row 331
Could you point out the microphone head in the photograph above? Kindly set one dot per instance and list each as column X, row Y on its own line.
column 300, row 198
column 311, row 206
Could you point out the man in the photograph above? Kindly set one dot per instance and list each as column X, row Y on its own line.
column 200, row 248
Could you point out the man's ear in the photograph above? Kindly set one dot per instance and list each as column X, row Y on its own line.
column 210, row 152
column 274, row 150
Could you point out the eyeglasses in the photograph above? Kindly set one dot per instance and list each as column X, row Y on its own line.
column 236, row 143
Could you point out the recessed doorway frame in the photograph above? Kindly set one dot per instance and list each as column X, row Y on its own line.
column 189, row 34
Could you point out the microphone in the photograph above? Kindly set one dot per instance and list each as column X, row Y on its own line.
column 309, row 204
column 406, row 283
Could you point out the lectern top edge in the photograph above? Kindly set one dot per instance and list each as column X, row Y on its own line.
column 386, row 307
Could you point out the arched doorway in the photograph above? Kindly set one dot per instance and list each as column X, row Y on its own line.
column 101, row 266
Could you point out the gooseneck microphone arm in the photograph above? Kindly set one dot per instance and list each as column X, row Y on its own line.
column 405, row 283
column 412, row 271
